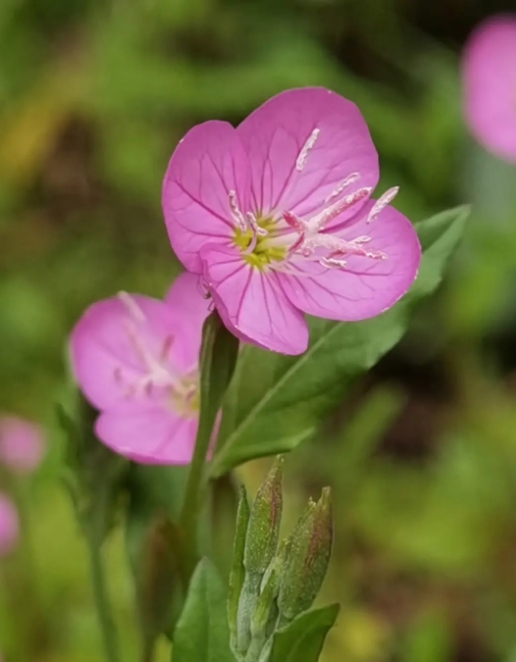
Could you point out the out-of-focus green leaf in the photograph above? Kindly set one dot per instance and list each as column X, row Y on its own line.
column 439, row 236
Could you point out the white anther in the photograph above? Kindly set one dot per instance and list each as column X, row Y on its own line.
column 332, row 263
column 350, row 179
column 303, row 154
column 132, row 307
column 381, row 203
column 323, row 218
column 253, row 223
column 237, row 215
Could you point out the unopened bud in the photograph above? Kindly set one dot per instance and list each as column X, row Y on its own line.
column 263, row 530
column 260, row 546
column 236, row 577
column 265, row 605
column 308, row 559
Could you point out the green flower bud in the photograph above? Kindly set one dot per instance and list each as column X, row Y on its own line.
column 265, row 604
column 236, row 577
column 260, row 546
column 308, row 559
column 263, row 530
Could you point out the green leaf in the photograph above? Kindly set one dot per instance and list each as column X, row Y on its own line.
column 288, row 396
column 439, row 237
column 202, row 632
column 303, row 639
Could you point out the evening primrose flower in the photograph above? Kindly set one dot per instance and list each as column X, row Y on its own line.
column 21, row 444
column 277, row 217
column 489, row 82
column 9, row 525
column 136, row 360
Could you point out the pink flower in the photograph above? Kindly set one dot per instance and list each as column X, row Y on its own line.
column 136, row 360
column 277, row 217
column 21, row 444
column 489, row 80
column 9, row 525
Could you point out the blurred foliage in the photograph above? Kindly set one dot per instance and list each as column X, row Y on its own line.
column 94, row 95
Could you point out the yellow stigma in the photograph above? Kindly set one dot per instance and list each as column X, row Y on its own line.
column 263, row 252
column 185, row 402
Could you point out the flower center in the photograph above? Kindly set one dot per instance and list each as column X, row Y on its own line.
column 158, row 380
column 185, row 401
column 270, row 242
column 255, row 245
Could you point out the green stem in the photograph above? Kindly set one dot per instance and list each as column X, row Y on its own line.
column 103, row 604
column 148, row 652
column 219, row 353
column 192, row 501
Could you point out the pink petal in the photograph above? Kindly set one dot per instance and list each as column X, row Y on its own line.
column 207, row 164
column 489, row 80
column 9, row 525
column 104, row 346
column 251, row 303
column 364, row 287
column 274, row 136
column 190, row 305
column 21, row 444
column 148, row 435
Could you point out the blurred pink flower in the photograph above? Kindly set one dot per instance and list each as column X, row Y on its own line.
column 276, row 215
column 489, row 80
column 9, row 525
column 21, row 444
column 136, row 360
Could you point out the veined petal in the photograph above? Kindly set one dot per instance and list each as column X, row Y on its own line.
column 364, row 287
column 111, row 342
column 190, row 307
column 148, row 434
column 251, row 302
column 303, row 145
column 207, row 165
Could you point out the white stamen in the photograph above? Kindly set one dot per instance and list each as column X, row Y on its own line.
column 303, row 154
column 157, row 372
column 252, row 245
column 338, row 248
column 381, row 203
column 321, row 220
column 253, row 223
column 350, row 179
column 362, row 240
column 237, row 215
column 132, row 307
column 332, row 263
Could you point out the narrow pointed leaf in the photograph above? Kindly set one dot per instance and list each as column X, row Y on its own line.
column 303, row 639
column 288, row 396
column 439, row 237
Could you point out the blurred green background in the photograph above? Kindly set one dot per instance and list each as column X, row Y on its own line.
column 94, row 95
